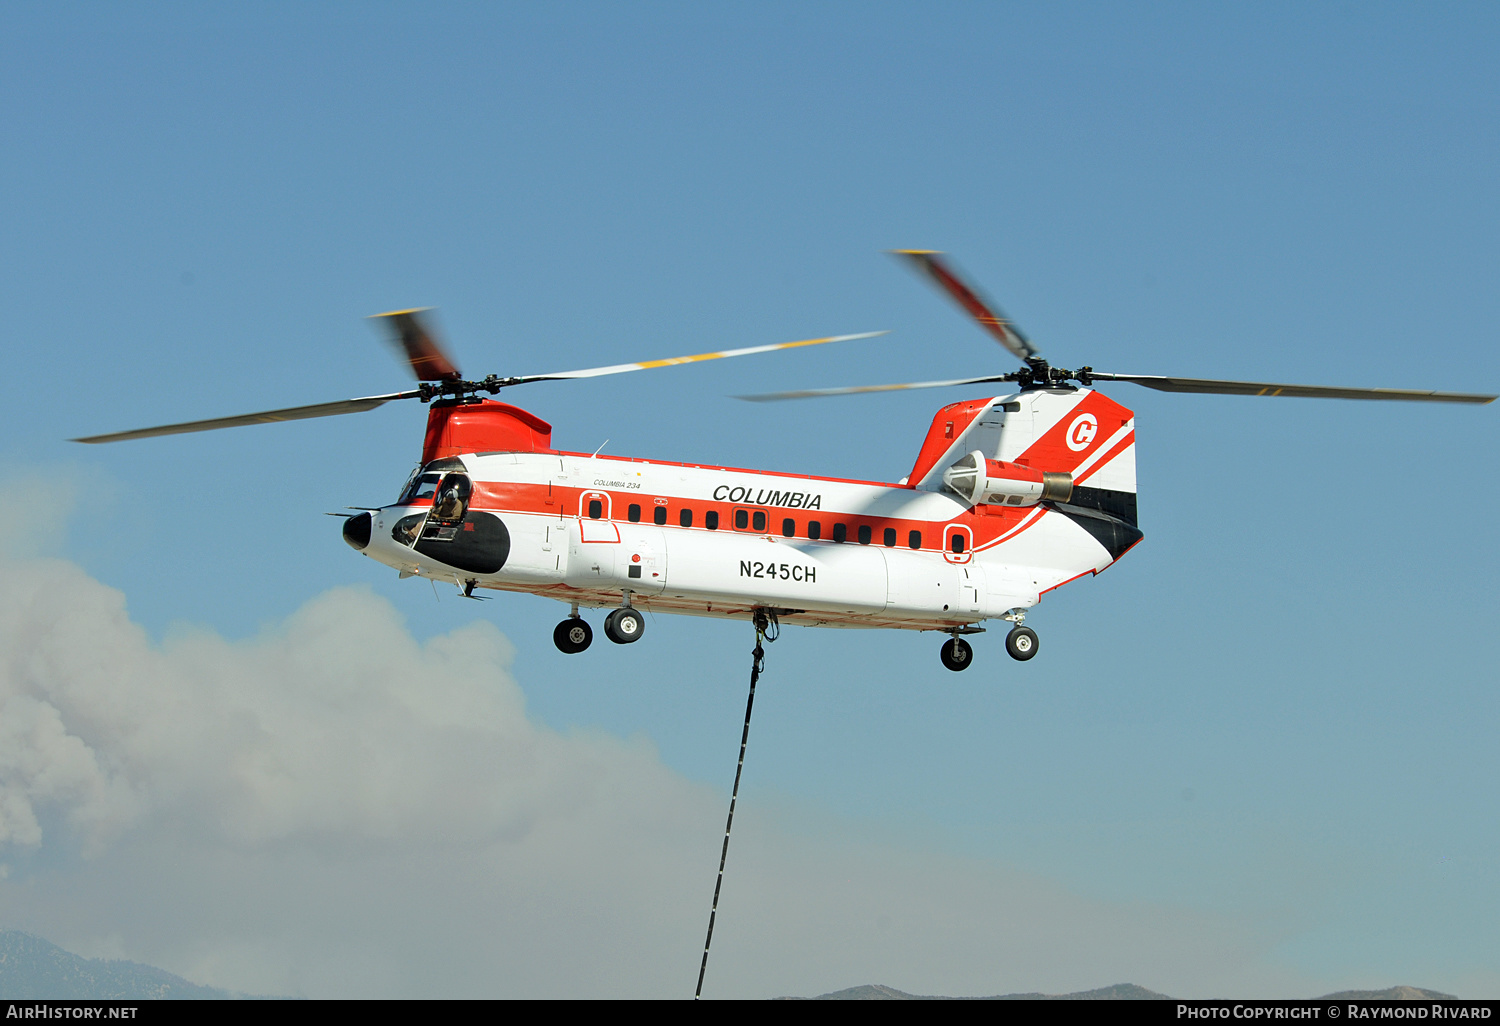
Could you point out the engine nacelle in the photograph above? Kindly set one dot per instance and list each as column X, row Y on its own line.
column 976, row 480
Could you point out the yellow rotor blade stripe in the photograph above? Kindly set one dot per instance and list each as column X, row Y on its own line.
column 398, row 313
column 673, row 361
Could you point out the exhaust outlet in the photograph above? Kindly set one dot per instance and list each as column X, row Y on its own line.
column 1057, row 487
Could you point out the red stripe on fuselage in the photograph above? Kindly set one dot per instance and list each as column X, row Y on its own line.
column 1070, row 580
column 990, row 525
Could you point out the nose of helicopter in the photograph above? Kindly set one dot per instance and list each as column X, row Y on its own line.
column 357, row 531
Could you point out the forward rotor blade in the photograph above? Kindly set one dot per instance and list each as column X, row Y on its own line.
column 822, row 393
column 977, row 306
column 407, row 332
column 623, row 368
column 268, row 417
column 1207, row 385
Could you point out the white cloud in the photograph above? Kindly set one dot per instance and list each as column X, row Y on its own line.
column 334, row 809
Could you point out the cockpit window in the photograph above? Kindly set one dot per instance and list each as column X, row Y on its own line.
column 411, row 479
column 452, row 499
column 423, row 483
column 420, row 487
column 405, row 531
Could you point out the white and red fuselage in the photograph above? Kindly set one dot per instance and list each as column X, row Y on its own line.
column 1010, row 497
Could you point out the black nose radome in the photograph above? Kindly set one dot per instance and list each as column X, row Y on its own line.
column 357, row 530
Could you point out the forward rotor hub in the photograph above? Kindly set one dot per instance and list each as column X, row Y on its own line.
column 462, row 390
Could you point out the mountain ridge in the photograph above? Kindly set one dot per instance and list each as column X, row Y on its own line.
column 1116, row 992
column 33, row 969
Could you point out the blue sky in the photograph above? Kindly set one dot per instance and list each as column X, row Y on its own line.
column 1274, row 718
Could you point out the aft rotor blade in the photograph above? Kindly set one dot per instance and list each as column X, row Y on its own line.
column 623, row 368
column 408, row 332
column 1210, row 386
column 822, row 393
column 976, row 305
column 268, row 417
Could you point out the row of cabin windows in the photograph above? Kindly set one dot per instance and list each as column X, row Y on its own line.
column 756, row 521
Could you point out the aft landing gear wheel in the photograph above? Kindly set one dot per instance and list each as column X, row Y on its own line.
column 573, row 635
column 956, row 654
column 624, row 626
column 1021, row 643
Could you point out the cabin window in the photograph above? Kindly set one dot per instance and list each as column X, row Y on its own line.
column 914, row 539
column 957, row 542
column 758, row 520
column 685, row 517
column 864, row 534
column 659, row 515
column 711, row 520
column 741, row 519
column 840, row 532
column 789, row 528
column 890, row 537
column 596, row 509
column 634, row 513
column 815, row 529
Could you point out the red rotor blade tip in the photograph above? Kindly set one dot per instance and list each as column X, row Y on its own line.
column 411, row 336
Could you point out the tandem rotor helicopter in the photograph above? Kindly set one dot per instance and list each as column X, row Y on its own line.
column 1010, row 497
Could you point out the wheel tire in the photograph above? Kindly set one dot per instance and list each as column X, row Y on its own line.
column 1021, row 643
column 956, row 654
column 624, row 626
column 573, row 635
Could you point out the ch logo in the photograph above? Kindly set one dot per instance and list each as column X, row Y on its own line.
column 1082, row 431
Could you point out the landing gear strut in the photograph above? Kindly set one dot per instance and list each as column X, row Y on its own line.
column 573, row 635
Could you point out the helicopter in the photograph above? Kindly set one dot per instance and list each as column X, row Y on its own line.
column 1010, row 497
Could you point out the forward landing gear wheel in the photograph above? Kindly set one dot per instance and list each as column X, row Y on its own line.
column 573, row 635
column 624, row 626
column 956, row 654
column 1021, row 643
